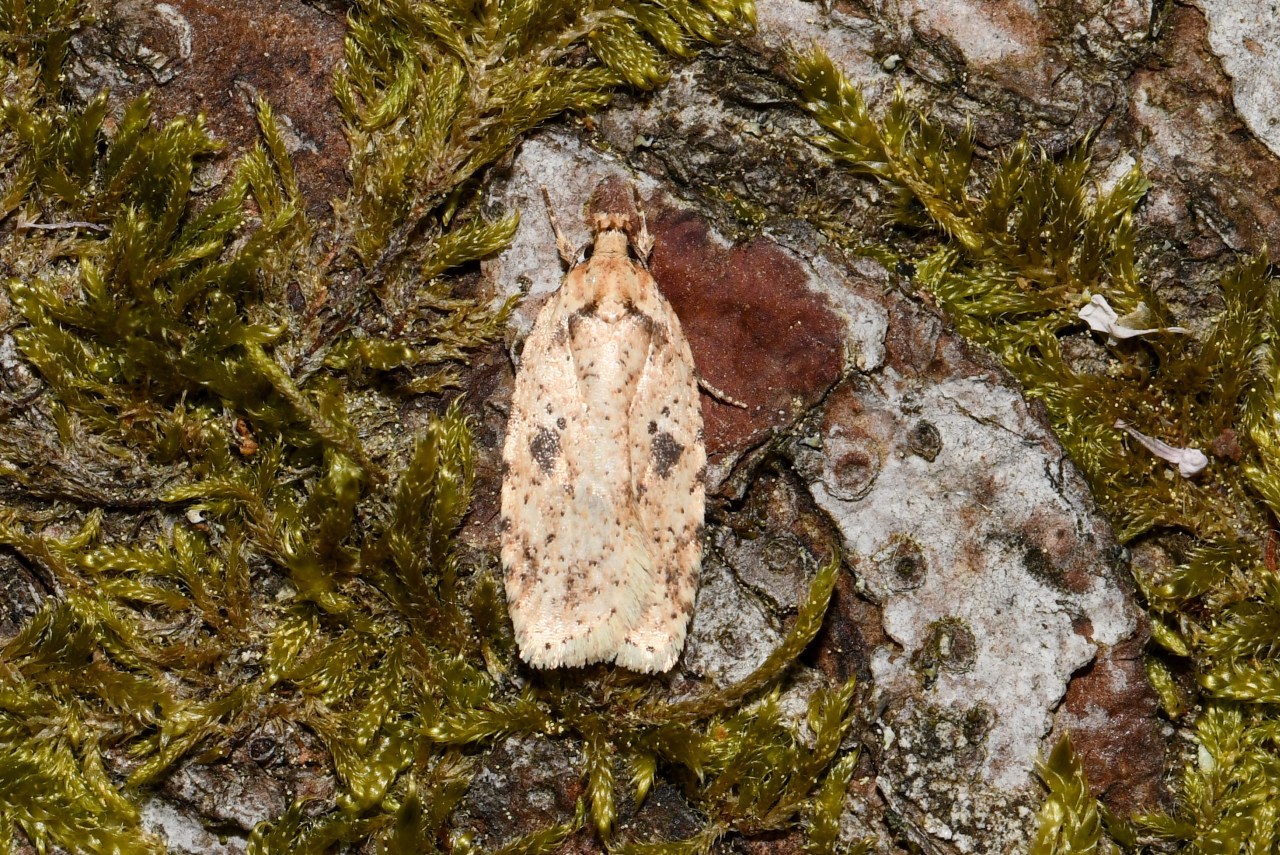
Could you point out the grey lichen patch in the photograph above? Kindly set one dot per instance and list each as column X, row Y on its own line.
column 1245, row 36
column 228, row 795
column 948, row 541
column 137, row 43
column 927, row 777
column 902, row 561
column 994, row 482
column 732, row 632
column 184, row 833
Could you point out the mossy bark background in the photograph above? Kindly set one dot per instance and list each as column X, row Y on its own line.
column 255, row 368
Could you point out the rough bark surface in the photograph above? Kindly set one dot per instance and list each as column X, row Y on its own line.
column 986, row 608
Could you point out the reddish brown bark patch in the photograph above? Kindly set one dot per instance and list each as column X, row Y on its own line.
column 757, row 332
column 215, row 59
column 1110, row 711
column 286, row 51
column 853, row 629
column 1214, row 182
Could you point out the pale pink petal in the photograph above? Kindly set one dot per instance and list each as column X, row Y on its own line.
column 1190, row 461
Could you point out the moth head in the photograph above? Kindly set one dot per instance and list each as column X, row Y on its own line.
column 613, row 216
column 612, row 206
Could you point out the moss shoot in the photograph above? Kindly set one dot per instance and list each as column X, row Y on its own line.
column 1017, row 250
column 186, row 477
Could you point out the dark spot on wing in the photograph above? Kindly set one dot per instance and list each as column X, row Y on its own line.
column 545, row 448
column 587, row 311
column 653, row 428
column 666, row 453
column 647, row 323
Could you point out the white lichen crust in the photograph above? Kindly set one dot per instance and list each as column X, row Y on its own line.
column 603, row 497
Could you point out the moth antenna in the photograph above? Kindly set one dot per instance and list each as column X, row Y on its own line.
column 644, row 240
column 566, row 250
column 721, row 395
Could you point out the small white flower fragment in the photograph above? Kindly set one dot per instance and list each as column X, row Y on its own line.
column 1190, row 461
column 1100, row 317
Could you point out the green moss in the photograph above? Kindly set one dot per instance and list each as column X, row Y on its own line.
column 1013, row 251
column 237, row 556
column 1069, row 820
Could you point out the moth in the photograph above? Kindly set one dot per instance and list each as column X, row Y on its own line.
column 603, row 496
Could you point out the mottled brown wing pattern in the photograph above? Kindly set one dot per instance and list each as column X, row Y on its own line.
column 574, row 580
column 603, row 497
column 669, row 463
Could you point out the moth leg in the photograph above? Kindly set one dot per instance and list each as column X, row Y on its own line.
column 566, row 250
column 720, row 395
column 644, row 240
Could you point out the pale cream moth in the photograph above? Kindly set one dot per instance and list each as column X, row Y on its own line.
column 603, row 496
